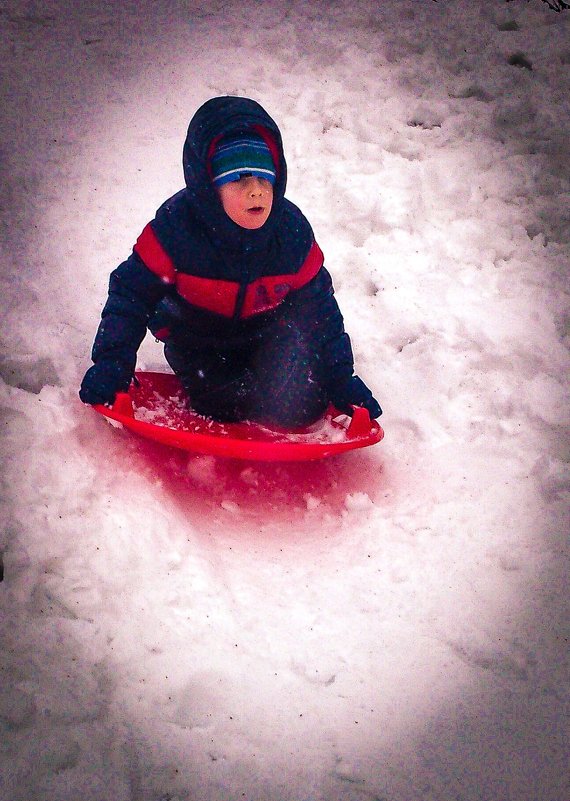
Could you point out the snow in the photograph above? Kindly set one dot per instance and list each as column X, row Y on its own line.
column 391, row 624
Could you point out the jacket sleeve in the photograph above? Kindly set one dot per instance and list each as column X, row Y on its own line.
column 134, row 292
column 316, row 313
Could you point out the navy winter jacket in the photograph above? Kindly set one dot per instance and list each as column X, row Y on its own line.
column 198, row 280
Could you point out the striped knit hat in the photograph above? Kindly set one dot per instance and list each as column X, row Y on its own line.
column 244, row 154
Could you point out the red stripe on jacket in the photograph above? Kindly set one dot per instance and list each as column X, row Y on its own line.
column 266, row 293
column 208, row 293
column 220, row 296
column 154, row 255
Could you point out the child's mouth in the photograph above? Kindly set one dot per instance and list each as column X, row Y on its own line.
column 256, row 210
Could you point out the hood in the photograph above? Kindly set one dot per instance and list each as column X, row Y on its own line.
column 218, row 117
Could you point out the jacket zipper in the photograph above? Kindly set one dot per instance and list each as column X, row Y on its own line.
column 240, row 300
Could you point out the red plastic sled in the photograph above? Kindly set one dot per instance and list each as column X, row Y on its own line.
column 156, row 407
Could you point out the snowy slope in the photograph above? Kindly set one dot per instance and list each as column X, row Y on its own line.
column 389, row 625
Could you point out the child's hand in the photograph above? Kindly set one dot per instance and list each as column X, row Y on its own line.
column 102, row 382
column 354, row 392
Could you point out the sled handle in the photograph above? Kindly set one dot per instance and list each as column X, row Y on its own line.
column 360, row 423
column 123, row 404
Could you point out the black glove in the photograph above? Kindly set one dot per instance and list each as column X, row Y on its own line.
column 354, row 392
column 102, row 382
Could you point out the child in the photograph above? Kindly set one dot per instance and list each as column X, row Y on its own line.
column 229, row 276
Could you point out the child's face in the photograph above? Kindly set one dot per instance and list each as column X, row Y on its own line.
column 247, row 201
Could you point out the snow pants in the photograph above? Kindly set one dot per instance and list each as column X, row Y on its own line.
column 275, row 379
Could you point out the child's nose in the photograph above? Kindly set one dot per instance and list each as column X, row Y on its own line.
column 256, row 186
